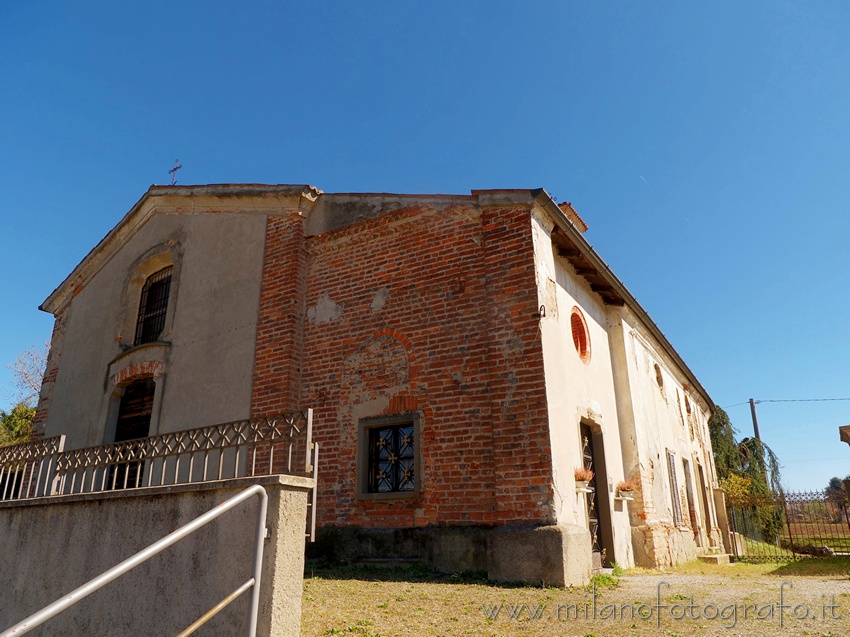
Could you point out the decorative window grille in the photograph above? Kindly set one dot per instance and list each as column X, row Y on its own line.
column 391, row 458
column 678, row 518
column 153, row 306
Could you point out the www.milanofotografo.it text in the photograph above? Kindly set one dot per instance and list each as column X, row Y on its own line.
column 780, row 611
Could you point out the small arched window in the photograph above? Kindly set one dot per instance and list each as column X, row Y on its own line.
column 153, row 306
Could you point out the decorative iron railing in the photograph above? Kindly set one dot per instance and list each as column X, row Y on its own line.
column 27, row 470
column 789, row 525
column 267, row 445
column 243, row 448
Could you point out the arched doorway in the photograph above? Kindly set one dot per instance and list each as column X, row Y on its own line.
column 134, row 421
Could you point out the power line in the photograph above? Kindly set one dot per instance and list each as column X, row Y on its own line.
column 788, row 400
column 801, row 400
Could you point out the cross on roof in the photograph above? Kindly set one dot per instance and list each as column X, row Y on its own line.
column 173, row 171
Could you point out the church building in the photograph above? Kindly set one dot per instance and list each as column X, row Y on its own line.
column 486, row 393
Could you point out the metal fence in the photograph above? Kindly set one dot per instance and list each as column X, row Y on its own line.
column 268, row 445
column 27, row 470
column 789, row 525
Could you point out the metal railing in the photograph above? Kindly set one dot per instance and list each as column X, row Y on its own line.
column 789, row 525
column 268, row 445
column 243, row 448
column 27, row 470
column 50, row 611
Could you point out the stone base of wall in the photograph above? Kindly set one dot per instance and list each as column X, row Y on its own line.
column 52, row 546
column 663, row 545
column 550, row 555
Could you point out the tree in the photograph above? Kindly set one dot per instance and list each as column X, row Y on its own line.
column 836, row 496
column 28, row 370
column 16, row 425
column 753, row 461
column 727, row 456
column 835, row 489
column 761, row 466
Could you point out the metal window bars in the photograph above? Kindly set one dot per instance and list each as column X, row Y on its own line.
column 78, row 594
column 267, row 445
column 153, row 306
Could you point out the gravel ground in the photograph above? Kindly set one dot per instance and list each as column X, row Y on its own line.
column 695, row 601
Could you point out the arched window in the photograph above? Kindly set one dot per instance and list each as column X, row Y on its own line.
column 153, row 306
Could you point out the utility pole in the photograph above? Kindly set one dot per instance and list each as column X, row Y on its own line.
column 755, row 419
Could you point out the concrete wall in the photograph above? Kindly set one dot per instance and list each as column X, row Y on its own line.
column 52, row 547
column 578, row 392
column 204, row 376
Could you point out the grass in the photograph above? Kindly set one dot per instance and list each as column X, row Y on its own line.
column 369, row 601
column 757, row 548
column 832, row 567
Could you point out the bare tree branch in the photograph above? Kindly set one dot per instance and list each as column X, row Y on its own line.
column 28, row 370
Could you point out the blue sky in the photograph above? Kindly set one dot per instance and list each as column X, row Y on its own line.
column 707, row 145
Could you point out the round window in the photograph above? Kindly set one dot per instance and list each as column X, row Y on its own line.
column 581, row 337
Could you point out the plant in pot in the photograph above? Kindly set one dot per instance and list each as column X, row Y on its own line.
column 583, row 477
column 625, row 490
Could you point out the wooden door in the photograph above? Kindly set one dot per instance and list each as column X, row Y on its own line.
column 134, row 421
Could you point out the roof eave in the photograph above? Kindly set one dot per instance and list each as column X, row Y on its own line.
column 561, row 221
column 57, row 299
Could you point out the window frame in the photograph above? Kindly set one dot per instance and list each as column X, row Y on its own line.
column 675, row 500
column 157, row 258
column 364, row 427
column 144, row 314
column 580, row 334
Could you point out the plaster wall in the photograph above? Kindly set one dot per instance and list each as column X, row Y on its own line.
column 61, row 543
column 578, row 392
column 211, row 328
column 656, row 419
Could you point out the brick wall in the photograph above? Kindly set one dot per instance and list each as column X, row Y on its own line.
column 427, row 310
column 277, row 358
column 50, row 373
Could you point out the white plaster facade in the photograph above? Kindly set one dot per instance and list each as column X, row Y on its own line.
column 616, row 392
column 210, row 331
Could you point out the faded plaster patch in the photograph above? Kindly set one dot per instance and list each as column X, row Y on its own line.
column 326, row 310
column 380, row 300
column 551, row 300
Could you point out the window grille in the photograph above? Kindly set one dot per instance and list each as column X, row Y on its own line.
column 153, row 306
column 391, row 458
column 678, row 518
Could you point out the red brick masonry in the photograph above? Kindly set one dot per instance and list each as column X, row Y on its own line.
column 422, row 309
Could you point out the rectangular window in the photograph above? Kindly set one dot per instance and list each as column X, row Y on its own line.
column 388, row 463
column 153, row 307
column 678, row 518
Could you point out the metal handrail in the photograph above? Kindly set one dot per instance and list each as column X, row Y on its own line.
column 130, row 563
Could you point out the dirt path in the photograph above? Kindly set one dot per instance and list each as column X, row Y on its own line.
column 732, row 603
